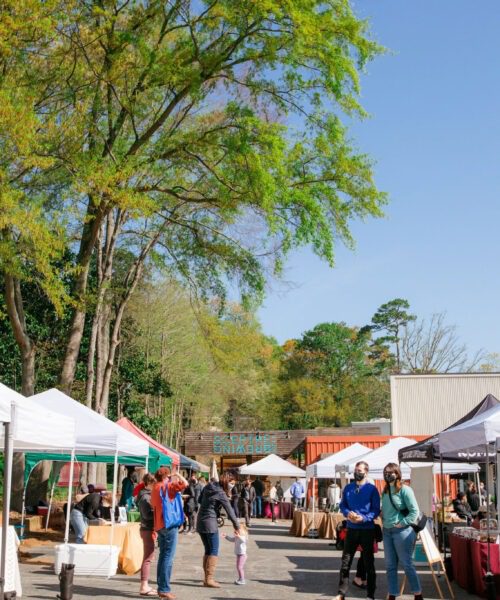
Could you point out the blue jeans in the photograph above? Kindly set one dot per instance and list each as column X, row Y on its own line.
column 211, row 543
column 257, row 507
column 167, row 543
column 399, row 543
column 79, row 522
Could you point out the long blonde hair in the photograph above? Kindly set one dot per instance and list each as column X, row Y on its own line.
column 243, row 529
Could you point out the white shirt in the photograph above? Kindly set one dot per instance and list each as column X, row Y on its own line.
column 240, row 543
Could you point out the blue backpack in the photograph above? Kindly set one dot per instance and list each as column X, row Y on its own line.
column 172, row 510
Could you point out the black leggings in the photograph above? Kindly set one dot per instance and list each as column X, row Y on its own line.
column 364, row 538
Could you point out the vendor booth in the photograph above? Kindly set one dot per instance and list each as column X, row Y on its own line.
column 274, row 466
column 30, row 428
column 474, row 552
column 97, row 439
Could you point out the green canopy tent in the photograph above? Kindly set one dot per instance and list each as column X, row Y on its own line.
column 153, row 462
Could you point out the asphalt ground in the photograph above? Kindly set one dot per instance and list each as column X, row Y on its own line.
column 279, row 566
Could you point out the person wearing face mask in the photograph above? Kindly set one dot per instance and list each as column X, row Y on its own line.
column 360, row 505
column 399, row 511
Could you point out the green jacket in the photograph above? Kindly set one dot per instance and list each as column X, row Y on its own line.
column 391, row 515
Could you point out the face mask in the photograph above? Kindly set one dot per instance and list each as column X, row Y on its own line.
column 390, row 477
column 358, row 476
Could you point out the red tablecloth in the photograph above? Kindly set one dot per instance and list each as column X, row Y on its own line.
column 479, row 561
column 282, row 510
column 460, row 559
column 469, row 559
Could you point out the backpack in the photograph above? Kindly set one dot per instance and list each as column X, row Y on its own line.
column 172, row 510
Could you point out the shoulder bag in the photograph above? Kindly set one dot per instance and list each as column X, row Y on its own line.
column 419, row 523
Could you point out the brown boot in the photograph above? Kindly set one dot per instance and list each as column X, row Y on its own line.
column 205, row 557
column 211, row 566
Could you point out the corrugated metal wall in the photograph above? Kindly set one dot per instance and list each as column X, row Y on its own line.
column 427, row 404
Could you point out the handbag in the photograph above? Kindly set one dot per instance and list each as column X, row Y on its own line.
column 378, row 533
column 420, row 522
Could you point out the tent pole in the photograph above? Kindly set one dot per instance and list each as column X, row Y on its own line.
column 51, row 498
column 443, row 532
column 488, row 565
column 8, row 455
column 70, row 495
column 113, row 503
column 497, row 473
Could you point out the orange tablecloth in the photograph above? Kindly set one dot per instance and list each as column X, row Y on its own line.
column 328, row 527
column 127, row 537
column 303, row 521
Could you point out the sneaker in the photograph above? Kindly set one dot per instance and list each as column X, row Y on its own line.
column 240, row 582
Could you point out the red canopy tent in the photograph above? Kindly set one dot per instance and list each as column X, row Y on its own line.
column 129, row 426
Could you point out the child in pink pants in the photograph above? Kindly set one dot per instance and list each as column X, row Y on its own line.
column 240, row 540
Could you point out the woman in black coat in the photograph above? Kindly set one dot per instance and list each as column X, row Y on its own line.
column 212, row 498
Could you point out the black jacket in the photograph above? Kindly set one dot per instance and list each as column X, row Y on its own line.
column 474, row 501
column 90, row 505
column 212, row 497
column 461, row 509
column 258, row 486
column 193, row 492
column 145, row 509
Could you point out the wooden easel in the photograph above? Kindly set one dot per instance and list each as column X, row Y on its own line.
column 433, row 558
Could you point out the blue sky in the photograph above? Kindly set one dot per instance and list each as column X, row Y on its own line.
column 434, row 132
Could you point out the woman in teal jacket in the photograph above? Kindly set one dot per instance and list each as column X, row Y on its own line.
column 399, row 511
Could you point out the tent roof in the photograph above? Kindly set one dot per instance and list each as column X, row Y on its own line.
column 36, row 428
column 377, row 459
column 132, row 428
column 272, row 466
column 95, row 434
column 5, row 404
column 479, row 431
column 428, row 450
column 326, row 467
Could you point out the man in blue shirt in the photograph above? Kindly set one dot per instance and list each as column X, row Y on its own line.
column 360, row 505
column 296, row 492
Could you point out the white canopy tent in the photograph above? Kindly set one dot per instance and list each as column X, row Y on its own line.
column 30, row 428
column 95, row 436
column 272, row 466
column 327, row 467
column 377, row 459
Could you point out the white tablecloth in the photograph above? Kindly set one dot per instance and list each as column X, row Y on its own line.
column 12, row 575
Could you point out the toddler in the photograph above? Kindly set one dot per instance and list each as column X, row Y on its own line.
column 240, row 540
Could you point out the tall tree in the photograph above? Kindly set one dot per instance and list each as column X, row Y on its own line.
column 329, row 375
column 176, row 115
column 434, row 347
column 392, row 318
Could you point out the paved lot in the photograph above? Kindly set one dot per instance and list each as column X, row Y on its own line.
column 278, row 566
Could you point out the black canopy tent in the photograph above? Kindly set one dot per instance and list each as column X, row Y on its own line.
column 428, row 450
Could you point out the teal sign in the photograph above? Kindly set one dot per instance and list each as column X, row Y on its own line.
column 245, row 443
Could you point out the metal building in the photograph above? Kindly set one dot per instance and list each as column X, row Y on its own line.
column 427, row 404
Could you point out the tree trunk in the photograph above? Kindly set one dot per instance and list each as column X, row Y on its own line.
column 133, row 277
column 15, row 310
column 94, row 218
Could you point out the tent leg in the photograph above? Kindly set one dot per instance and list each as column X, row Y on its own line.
column 8, row 450
column 488, row 564
column 443, row 532
column 70, row 493
column 113, row 503
column 50, row 500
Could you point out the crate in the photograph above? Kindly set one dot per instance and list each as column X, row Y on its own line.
column 89, row 559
